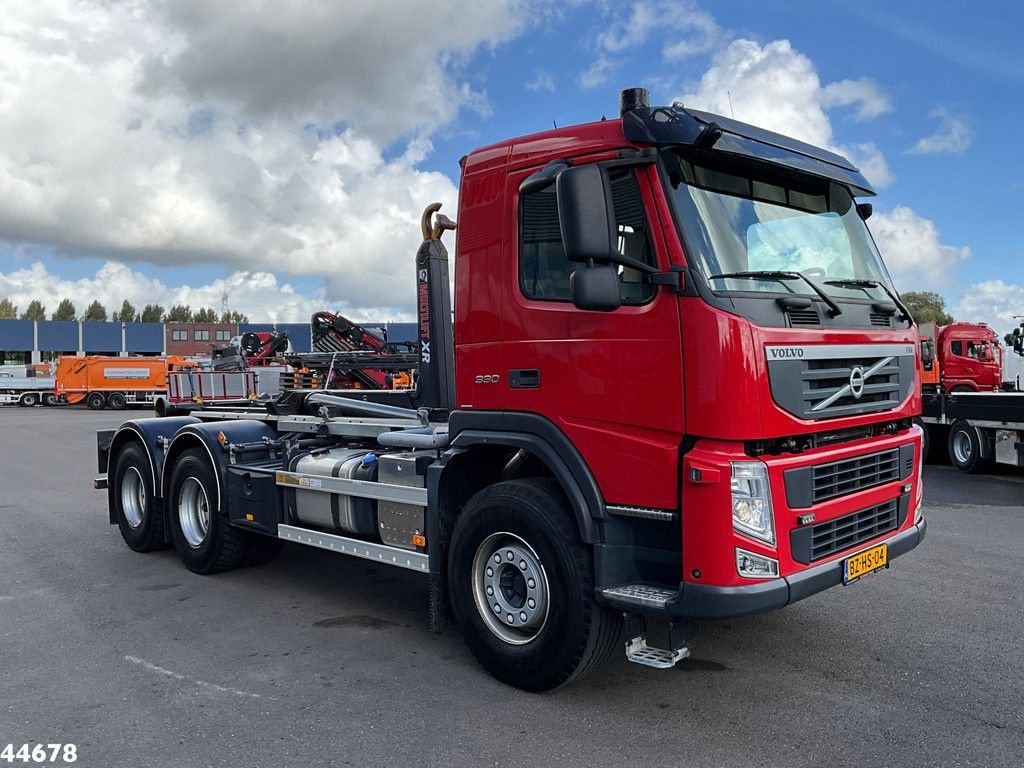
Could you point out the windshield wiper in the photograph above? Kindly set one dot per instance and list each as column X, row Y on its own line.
column 857, row 282
column 775, row 274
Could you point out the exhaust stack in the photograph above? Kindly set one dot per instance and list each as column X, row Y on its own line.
column 632, row 99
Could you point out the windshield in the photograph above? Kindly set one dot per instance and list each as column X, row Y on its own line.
column 735, row 225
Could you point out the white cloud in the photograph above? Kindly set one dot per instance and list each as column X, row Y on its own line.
column 912, row 250
column 597, row 73
column 250, row 136
column 952, row 136
column 260, row 295
column 777, row 87
column 690, row 31
column 863, row 94
column 993, row 302
column 543, row 81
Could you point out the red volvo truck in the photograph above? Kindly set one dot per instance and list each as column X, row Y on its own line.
column 680, row 386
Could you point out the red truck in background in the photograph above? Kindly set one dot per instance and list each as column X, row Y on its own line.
column 961, row 357
column 680, row 386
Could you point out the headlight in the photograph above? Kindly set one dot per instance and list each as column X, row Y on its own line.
column 752, row 501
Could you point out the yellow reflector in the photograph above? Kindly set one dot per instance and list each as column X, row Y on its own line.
column 248, row 516
column 419, row 541
column 222, row 438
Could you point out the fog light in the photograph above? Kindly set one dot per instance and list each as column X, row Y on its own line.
column 751, row 566
column 752, row 501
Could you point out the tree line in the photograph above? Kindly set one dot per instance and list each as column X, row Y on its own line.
column 151, row 313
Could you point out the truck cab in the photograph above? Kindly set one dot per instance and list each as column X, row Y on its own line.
column 967, row 357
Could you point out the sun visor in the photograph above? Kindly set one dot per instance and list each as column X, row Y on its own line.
column 686, row 127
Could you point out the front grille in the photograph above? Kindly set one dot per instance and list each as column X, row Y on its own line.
column 829, row 381
column 803, row 317
column 817, row 542
column 849, row 475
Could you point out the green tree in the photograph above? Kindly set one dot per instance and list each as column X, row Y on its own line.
column 96, row 312
column 233, row 317
column 7, row 310
column 204, row 315
column 152, row 313
column 927, row 307
column 127, row 313
column 65, row 310
column 179, row 313
column 35, row 311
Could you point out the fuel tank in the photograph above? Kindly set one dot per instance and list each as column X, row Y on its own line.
column 350, row 514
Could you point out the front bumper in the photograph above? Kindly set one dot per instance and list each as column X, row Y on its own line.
column 697, row 601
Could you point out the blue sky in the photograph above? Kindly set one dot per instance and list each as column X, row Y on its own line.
column 282, row 160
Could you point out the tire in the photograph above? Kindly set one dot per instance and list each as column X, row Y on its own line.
column 50, row 399
column 965, row 447
column 116, row 401
column 96, row 401
column 565, row 633
column 202, row 537
column 136, row 509
column 28, row 400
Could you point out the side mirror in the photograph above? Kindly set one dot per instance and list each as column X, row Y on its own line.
column 864, row 210
column 586, row 214
column 595, row 288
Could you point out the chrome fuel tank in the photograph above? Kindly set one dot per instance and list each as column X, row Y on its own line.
column 350, row 514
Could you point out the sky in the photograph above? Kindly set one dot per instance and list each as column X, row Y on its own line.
column 274, row 157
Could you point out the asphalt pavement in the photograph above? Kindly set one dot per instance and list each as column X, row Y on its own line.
column 318, row 659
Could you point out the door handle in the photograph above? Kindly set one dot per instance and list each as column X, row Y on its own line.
column 524, row 378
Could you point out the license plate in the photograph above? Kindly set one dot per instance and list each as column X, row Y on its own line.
column 865, row 562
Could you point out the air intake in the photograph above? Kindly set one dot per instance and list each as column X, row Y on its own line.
column 632, row 99
column 803, row 317
column 881, row 320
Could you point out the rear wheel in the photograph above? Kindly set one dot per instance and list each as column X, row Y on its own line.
column 203, row 539
column 965, row 447
column 136, row 510
column 522, row 587
column 50, row 399
column 116, row 401
column 28, row 399
column 96, row 401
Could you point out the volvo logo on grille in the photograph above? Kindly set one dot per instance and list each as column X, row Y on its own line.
column 857, row 382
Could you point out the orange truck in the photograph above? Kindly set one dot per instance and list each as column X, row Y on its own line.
column 114, row 382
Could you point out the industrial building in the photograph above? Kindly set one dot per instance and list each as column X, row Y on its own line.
column 32, row 341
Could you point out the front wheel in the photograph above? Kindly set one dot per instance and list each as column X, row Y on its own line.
column 522, row 587
column 116, row 401
column 203, row 539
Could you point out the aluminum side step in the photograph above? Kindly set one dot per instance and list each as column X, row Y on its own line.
column 641, row 595
column 381, row 553
column 639, row 652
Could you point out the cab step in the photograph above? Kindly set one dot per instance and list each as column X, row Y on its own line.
column 639, row 652
column 641, row 595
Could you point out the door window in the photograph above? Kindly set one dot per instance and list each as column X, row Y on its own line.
column 543, row 267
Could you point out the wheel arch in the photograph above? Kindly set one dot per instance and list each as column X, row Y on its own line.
column 149, row 433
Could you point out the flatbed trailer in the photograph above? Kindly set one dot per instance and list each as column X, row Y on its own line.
column 975, row 429
column 563, row 471
column 27, row 391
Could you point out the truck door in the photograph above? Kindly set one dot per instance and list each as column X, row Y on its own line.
column 611, row 381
